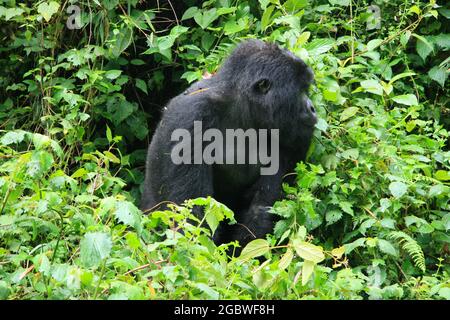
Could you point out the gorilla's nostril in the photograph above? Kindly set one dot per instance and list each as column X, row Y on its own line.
column 312, row 109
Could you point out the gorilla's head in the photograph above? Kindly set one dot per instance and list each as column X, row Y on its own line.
column 273, row 84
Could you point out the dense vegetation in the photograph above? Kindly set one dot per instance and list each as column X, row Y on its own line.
column 369, row 216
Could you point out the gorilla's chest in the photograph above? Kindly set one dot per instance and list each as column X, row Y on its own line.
column 236, row 177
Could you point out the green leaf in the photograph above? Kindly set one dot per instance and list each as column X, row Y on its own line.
column 108, row 134
column 47, row 10
column 406, row 99
column 438, row 74
column 349, row 247
column 398, row 189
column 372, row 86
column 348, row 113
column 423, row 46
column 10, row 12
column 142, row 85
column 372, row 44
column 286, row 260
column 308, row 251
column 12, row 137
column 112, row 74
column 319, row 46
column 255, row 249
column 127, row 213
column 307, row 271
column 444, row 293
column 342, row 3
column 387, row 247
column 442, row 175
column 265, row 20
column 94, row 248
column 206, row 18
column 189, row 13
column 121, row 41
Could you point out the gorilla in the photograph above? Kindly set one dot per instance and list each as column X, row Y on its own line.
column 259, row 87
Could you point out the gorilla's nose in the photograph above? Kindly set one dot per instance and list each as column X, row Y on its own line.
column 310, row 106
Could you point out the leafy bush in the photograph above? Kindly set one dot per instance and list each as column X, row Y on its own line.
column 368, row 216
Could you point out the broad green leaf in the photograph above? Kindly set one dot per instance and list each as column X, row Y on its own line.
column 349, row 247
column 342, row 3
column 11, row 12
column 400, row 76
column 387, row 247
column 127, row 213
column 254, row 249
column 189, row 13
column 122, row 40
column 142, row 85
column 423, row 46
column 47, row 10
column 372, row 44
column 348, row 113
column 438, row 74
column 398, row 189
column 94, row 248
column 372, row 86
column 406, row 99
column 307, row 271
column 308, row 251
column 112, row 74
column 265, row 20
column 319, row 46
column 12, row 137
column 205, row 18
column 286, row 260
column 442, row 175
column 338, row 252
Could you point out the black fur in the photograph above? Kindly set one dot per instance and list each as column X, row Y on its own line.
column 259, row 86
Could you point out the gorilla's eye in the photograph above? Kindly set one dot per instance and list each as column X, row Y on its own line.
column 263, row 86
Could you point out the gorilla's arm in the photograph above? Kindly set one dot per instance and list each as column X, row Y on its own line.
column 255, row 221
column 166, row 181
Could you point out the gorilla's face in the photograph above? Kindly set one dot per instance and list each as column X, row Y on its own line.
column 275, row 84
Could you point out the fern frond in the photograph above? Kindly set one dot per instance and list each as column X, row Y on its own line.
column 411, row 247
column 218, row 54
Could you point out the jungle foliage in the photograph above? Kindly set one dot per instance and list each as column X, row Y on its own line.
column 80, row 95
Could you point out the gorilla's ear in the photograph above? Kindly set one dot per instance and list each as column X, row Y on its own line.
column 262, row 86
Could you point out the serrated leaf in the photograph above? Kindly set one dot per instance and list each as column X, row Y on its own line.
column 438, row 74
column 398, row 189
column 127, row 213
column 308, row 251
column 94, row 248
column 13, row 137
column 423, row 46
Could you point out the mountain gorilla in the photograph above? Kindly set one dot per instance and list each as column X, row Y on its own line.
column 261, row 87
